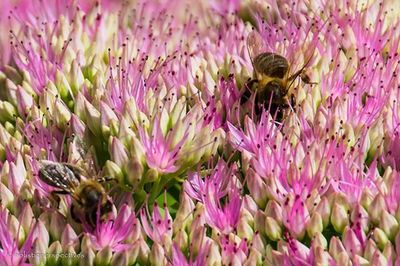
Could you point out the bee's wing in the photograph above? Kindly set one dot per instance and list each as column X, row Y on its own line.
column 59, row 175
column 255, row 45
column 83, row 156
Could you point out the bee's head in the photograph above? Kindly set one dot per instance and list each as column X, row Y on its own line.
column 91, row 196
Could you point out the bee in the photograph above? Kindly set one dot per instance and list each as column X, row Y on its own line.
column 89, row 197
column 271, row 79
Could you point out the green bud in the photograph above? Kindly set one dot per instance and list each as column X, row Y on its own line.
column 93, row 120
column 324, row 209
column 272, row 229
column 87, row 258
column 315, row 225
column 389, row 225
column 144, row 251
column 339, row 217
column 370, row 249
column 181, row 239
column 157, row 255
column 151, row 176
column 38, row 248
column 7, row 112
column 62, row 85
column 259, row 222
column 54, row 249
column 7, row 197
column 319, row 240
column 76, row 77
column 103, row 257
column 12, row 74
column 274, row 210
column 376, row 208
column 254, row 258
column 214, row 256
column 113, row 170
column 380, row 238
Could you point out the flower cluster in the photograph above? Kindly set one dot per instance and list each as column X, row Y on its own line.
column 151, row 109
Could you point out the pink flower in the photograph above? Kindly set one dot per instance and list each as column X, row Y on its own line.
column 179, row 259
column 211, row 191
column 11, row 253
column 114, row 233
column 160, row 228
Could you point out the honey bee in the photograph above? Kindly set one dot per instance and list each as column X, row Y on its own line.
column 89, row 197
column 271, row 79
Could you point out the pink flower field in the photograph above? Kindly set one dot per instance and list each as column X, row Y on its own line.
column 212, row 132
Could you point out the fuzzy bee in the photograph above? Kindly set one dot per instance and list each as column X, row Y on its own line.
column 271, row 79
column 89, row 197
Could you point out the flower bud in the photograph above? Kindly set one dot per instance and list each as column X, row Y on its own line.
column 54, row 249
column 144, row 251
column 351, row 242
column 87, row 257
column 319, row 240
column 104, row 256
column 113, row 170
column 380, row 238
column 7, row 112
column 157, row 255
column 315, row 225
column 214, row 255
column 92, row 118
column 370, row 249
column 38, row 248
column 56, row 223
column 118, row 152
column 389, row 225
column 70, row 257
column 7, row 197
column 378, row 259
column 181, row 239
column 336, row 248
column 272, row 229
column 389, row 252
column 76, row 79
column 376, row 208
column 69, row 238
column 259, row 222
column 254, row 258
column 274, row 210
column 62, row 85
column 339, row 218
column 42, row 234
column 324, row 210
column 26, row 217
column 62, row 115
column 321, row 256
column 25, row 101
column 257, row 188
column 358, row 260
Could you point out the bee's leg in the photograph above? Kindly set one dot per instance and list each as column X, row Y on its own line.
column 91, row 218
column 306, row 79
column 76, row 216
column 55, row 198
column 293, row 102
column 247, row 92
column 106, row 208
column 105, row 179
